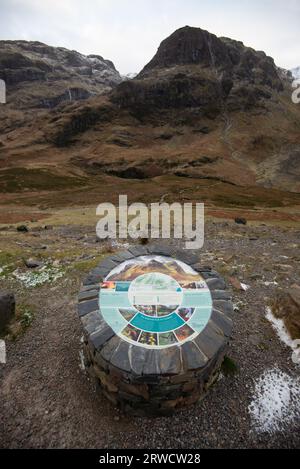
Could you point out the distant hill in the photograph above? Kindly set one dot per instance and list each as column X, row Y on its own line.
column 42, row 76
column 203, row 109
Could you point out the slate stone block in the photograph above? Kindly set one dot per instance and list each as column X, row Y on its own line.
column 99, row 338
column 88, row 295
column 110, row 346
column 138, row 251
column 120, row 357
column 123, row 256
column 224, row 306
column 220, row 295
column 92, row 322
column 94, row 286
column 106, row 266
column 209, row 341
column 222, row 321
column 151, row 364
column 215, row 284
column 158, row 249
column 170, row 361
column 200, row 267
column 210, row 274
column 187, row 257
column 94, row 277
column 137, row 357
column 86, row 307
column 193, row 357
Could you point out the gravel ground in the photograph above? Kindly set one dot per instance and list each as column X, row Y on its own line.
column 47, row 400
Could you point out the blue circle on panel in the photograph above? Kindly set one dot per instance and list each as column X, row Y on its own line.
column 155, row 301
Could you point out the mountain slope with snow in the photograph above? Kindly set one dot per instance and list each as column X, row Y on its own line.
column 38, row 75
column 296, row 72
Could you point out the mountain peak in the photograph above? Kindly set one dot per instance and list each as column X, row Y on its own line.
column 189, row 45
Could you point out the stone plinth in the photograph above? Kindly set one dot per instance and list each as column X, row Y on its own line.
column 156, row 326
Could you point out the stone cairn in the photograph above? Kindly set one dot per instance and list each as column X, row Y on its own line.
column 145, row 381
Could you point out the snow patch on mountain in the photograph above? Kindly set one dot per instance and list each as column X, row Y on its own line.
column 295, row 72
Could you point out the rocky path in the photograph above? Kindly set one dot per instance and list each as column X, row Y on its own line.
column 47, row 400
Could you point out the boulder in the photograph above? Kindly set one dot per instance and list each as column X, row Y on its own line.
column 240, row 221
column 7, row 309
column 22, row 228
column 32, row 263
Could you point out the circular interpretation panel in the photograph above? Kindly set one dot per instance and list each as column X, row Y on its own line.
column 156, row 326
column 155, row 301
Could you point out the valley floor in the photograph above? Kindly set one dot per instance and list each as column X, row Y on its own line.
column 47, row 399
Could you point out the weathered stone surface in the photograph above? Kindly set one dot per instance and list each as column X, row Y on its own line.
column 210, row 274
column 170, row 361
column 92, row 322
column 95, row 277
column 88, row 295
column 220, row 295
column 86, row 307
column 137, row 357
column 224, row 306
column 181, row 378
column 158, row 249
column 99, row 338
column 187, row 257
column 240, row 221
column 109, row 347
column 123, row 256
column 106, row 266
column 222, row 321
column 33, row 263
column 215, row 284
column 120, row 357
column 103, row 364
column 7, row 309
column 141, row 390
column 193, row 356
column 138, row 250
column 209, row 341
column 106, row 380
column 94, row 286
column 200, row 267
column 151, row 364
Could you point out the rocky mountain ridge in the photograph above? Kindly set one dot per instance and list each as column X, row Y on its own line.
column 203, row 109
column 38, row 75
column 295, row 72
column 195, row 69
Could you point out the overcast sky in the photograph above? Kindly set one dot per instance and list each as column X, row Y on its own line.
column 128, row 32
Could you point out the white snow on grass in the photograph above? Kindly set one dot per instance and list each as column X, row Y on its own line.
column 275, row 405
column 81, row 360
column 34, row 278
column 280, row 328
column 2, row 351
column 116, row 244
column 268, row 284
